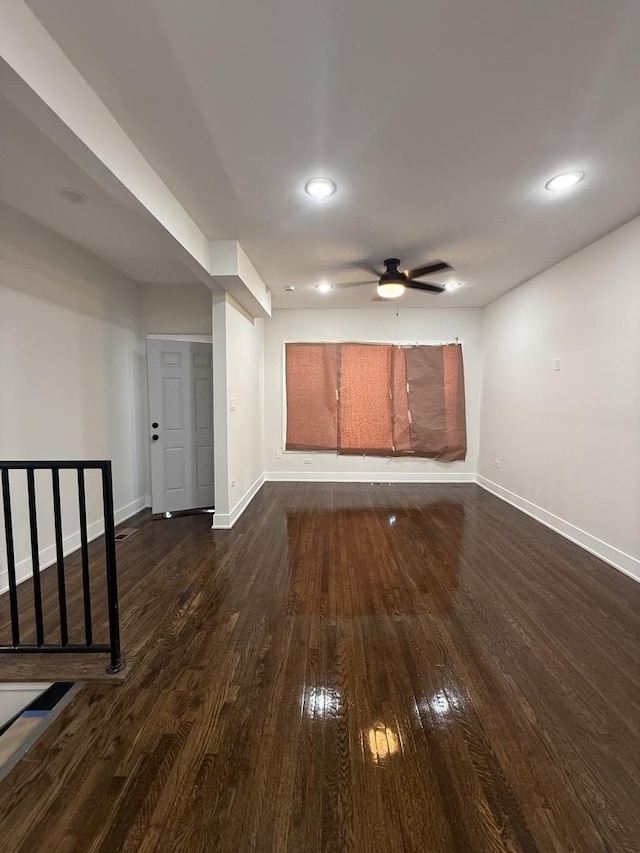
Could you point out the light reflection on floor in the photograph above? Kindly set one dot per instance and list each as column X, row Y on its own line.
column 319, row 702
column 383, row 742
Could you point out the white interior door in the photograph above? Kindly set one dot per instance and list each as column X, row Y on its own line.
column 180, row 424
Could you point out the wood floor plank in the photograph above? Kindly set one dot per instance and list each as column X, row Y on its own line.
column 351, row 668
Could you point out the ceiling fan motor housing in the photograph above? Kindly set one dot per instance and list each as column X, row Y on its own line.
column 392, row 273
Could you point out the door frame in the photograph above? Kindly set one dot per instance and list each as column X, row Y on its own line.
column 197, row 339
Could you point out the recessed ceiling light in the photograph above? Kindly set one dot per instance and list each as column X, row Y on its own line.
column 324, row 287
column 74, row 196
column 320, row 187
column 565, row 181
column 452, row 285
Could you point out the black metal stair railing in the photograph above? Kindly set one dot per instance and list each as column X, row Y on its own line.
column 16, row 600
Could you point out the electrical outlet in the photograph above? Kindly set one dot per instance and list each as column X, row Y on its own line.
column 424, row 461
column 307, row 460
column 278, row 454
column 233, row 482
column 232, row 404
column 496, row 463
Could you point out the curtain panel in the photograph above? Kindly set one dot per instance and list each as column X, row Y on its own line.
column 376, row 399
column 312, row 396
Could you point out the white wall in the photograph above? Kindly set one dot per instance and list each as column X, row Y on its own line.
column 72, row 376
column 568, row 441
column 16, row 696
column 175, row 309
column 238, row 345
column 369, row 324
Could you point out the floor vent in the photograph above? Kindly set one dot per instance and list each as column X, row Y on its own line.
column 121, row 535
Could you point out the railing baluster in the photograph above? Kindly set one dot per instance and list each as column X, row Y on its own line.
column 18, row 646
column 11, row 558
column 112, row 582
column 62, row 590
column 35, row 557
column 86, row 580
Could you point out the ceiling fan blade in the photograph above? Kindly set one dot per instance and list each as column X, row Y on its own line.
column 430, row 269
column 423, row 285
column 365, row 265
column 354, row 284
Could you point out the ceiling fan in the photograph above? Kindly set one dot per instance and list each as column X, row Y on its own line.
column 392, row 283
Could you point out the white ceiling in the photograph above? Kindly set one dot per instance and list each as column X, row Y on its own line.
column 440, row 122
column 33, row 171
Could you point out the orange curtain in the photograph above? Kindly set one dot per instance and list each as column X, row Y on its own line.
column 312, row 406
column 364, row 400
column 376, row 399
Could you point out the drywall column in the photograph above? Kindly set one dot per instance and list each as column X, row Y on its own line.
column 238, row 344
column 220, row 409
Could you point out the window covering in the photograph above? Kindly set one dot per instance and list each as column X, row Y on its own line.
column 376, row 399
column 311, row 393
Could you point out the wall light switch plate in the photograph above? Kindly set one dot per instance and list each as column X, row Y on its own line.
column 556, row 364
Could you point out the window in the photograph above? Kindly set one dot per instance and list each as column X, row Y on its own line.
column 376, row 399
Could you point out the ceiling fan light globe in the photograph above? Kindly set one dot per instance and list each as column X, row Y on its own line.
column 390, row 289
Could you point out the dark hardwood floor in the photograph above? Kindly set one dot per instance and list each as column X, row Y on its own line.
column 351, row 668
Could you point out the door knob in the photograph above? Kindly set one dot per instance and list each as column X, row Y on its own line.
column 154, row 425
column 155, row 437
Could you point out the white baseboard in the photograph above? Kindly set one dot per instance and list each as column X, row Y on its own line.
column 131, row 509
column 616, row 558
column 365, row 477
column 225, row 521
column 71, row 542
